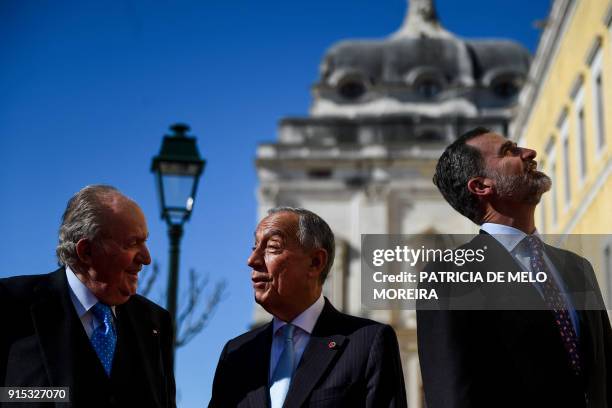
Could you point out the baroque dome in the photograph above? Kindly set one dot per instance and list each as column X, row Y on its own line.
column 421, row 63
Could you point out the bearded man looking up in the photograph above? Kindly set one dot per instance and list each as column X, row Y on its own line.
column 555, row 355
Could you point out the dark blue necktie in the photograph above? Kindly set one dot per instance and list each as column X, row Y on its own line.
column 556, row 303
column 104, row 337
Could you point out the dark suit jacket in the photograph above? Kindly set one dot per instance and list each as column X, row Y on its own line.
column 362, row 369
column 43, row 343
column 515, row 358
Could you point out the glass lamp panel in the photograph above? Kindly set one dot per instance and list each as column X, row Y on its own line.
column 177, row 192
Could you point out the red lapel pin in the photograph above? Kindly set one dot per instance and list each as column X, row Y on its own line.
column 332, row 344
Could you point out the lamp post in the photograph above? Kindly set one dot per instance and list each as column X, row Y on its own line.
column 177, row 168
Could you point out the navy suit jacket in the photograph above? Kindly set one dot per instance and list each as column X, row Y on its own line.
column 348, row 362
column 43, row 343
column 515, row 358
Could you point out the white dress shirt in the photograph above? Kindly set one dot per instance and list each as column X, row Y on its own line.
column 510, row 238
column 304, row 323
column 83, row 300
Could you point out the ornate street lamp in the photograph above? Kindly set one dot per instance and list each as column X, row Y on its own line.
column 177, row 168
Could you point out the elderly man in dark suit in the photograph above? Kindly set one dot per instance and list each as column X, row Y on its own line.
column 309, row 355
column 556, row 351
column 83, row 326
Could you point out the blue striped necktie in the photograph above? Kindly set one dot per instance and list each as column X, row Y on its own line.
column 281, row 379
column 104, row 338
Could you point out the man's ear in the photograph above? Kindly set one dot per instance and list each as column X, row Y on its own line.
column 480, row 186
column 318, row 260
column 83, row 250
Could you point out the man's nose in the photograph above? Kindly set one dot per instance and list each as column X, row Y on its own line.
column 528, row 154
column 255, row 259
column 144, row 257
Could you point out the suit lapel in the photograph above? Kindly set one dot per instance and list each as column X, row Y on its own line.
column 61, row 334
column 260, row 363
column 322, row 349
column 588, row 339
column 575, row 281
column 139, row 336
column 571, row 274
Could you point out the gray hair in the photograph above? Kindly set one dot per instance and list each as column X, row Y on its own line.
column 83, row 218
column 313, row 232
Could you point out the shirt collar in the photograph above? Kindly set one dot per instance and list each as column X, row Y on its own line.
column 506, row 235
column 81, row 296
column 305, row 320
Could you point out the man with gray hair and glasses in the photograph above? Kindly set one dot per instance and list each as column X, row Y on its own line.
column 83, row 326
column 310, row 354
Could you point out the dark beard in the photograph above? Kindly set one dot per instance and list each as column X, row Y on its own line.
column 525, row 188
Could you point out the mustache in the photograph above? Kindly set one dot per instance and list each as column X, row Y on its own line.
column 531, row 165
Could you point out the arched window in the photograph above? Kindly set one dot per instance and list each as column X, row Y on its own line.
column 429, row 87
column 504, row 83
column 428, row 82
column 506, row 88
column 351, row 88
column 349, row 84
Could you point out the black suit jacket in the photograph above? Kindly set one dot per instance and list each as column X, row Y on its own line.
column 43, row 343
column 348, row 362
column 515, row 358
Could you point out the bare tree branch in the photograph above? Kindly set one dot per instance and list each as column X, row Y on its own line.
column 189, row 322
column 149, row 279
column 193, row 294
column 191, row 319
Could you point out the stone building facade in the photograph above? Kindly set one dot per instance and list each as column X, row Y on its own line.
column 564, row 114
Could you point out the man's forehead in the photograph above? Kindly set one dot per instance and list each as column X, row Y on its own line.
column 488, row 143
column 282, row 223
column 125, row 218
column 125, row 210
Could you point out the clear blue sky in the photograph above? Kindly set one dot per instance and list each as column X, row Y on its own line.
column 88, row 88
